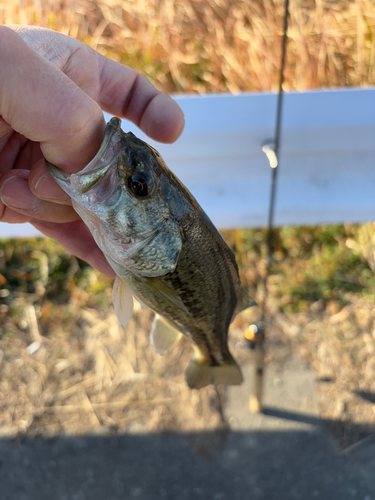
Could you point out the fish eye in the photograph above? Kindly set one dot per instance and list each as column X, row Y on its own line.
column 138, row 184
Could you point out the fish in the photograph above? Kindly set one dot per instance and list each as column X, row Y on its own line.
column 164, row 249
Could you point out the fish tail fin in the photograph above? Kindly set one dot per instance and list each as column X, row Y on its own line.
column 200, row 373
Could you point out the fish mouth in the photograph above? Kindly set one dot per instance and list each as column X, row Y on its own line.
column 57, row 173
column 93, row 173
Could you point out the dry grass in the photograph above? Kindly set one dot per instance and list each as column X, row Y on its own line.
column 341, row 348
column 219, row 45
column 65, row 366
column 94, row 376
column 321, row 304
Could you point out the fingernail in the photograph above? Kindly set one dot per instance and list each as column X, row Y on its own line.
column 47, row 189
column 15, row 193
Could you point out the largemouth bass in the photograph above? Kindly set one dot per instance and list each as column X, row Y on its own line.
column 164, row 249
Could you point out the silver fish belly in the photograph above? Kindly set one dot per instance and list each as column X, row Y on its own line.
column 164, row 249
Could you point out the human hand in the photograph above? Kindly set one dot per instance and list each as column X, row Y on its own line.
column 52, row 92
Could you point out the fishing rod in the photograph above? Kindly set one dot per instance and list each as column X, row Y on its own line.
column 256, row 332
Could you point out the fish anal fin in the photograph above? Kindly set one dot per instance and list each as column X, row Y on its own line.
column 122, row 301
column 199, row 373
column 163, row 335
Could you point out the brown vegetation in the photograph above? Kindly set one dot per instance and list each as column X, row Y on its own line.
column 65, row 365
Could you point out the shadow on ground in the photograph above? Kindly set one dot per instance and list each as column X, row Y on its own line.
column 347, row 436
column 367, row 396
column 257, row 465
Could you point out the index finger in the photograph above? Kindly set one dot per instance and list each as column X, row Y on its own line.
column 126, row 93
column 118, row 89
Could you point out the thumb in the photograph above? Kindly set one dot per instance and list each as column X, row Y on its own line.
column 44, row 105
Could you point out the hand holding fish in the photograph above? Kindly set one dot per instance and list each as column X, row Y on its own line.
column 52, row 92
column 141, row 224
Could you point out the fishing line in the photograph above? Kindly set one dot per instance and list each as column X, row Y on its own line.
column 274, row 159
column 256, row 333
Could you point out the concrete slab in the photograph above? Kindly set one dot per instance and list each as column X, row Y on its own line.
column 289, row 387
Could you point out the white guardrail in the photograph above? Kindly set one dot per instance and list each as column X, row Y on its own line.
column 327, row 158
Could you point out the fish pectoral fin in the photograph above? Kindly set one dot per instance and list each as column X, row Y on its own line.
column 122, row 301
column 167, row 293
column 200, row 373
column 246, row 301
column 163, row 335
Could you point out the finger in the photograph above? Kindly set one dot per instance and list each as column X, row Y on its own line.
column 10, row 146
column 44, row 186
column 19, row 153
column 118, row 89
column 16, row 195
column 44, row 105
column 11, row 217
column 124, row 92
column 76, row 238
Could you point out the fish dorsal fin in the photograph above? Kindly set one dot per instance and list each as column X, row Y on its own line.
column 122, row 301
column 163, row 335
column 167, row 293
